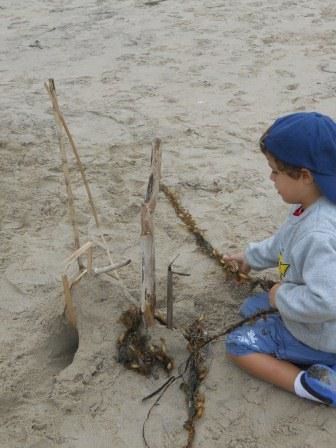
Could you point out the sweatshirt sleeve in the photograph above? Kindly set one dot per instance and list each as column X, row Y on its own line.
column 263, row 254
column 314, row 300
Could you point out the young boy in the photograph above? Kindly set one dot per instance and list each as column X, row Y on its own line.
column 301, row 151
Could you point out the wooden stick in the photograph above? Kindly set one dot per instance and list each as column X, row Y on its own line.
column 69, row 309
column 170, row 294
column 79, row 276
column 60, row 119
column 80, row 251
column 65, row 167
column 110, row 268
column 153, row 186
column 85, row 249
column 75, row 151
column 148, row 293
column 170, row 298
column 62, row 122
column 89, row 260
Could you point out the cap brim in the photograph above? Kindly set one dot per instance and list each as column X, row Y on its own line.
column 327, row 185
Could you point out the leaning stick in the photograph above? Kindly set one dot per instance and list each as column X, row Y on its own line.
column 60, row 118
column 65, row 167
column 74, row 149
column 111, row 267
column 69, row 310
column 75, row 255
column 148, row 293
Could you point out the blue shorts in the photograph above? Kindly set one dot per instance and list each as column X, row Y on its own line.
column 270, row 336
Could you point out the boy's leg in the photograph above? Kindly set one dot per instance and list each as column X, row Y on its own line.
column 268, row 351
column 254, row 304
column 267, row 368
column 253, row 347
column 318, row 383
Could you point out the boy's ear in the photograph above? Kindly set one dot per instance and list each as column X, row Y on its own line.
column 307, row 176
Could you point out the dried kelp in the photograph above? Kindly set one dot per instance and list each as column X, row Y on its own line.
column 196, row 371
column 135, row 351
column 196, row 366
column 230, row 268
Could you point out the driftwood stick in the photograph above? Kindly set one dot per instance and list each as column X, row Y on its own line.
column 170, row 298
column 110, row 268
column 69, row 309
column 153, row 187
column 89, row 260
column 82, row 172
column 62, row 123
column 78, row 252
column 170, row 295
column 148, row 287
column 148, row 293
column 50, row 87
column 79, row 276
column 75, row 151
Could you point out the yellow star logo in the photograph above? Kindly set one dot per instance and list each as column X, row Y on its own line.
column 282, row 267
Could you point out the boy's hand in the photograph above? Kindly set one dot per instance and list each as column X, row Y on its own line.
column 238, row 258
column 272, row 293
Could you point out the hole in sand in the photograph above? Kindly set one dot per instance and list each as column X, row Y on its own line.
column 63, row 344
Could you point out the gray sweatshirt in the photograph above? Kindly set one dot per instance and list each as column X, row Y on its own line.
column 304, row 249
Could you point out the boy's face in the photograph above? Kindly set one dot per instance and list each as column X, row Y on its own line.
column 293, row 191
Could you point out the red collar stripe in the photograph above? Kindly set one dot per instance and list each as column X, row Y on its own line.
column 298, row 211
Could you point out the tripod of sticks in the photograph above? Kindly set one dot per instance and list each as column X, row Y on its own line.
column 63, row 132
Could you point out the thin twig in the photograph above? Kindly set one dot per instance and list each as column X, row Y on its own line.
column 170, row 298
column 171, row 380
column 62, row 122
column 110, row 268
column 163, row 390
column 246, row 320
column 51, row 91
column 75, row 151
column 170, row 295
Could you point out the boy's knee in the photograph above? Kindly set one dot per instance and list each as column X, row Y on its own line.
column 242, row 360
column 243, row 341
column 232, row 358
column 254, row 304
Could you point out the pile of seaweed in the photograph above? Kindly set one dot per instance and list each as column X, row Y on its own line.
column 134, row 349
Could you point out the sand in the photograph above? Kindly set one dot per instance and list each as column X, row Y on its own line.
column 207, row 78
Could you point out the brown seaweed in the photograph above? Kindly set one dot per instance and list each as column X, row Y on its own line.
column 231, row 268
column 196, row 371
column 135, row 351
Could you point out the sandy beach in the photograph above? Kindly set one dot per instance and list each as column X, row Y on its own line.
column 207, row 78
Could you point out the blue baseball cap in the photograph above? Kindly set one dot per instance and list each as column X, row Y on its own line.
column 306, row 140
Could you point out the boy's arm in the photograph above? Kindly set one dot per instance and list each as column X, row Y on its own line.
column 263, row 254
column 315, row 300
column 260, row 255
